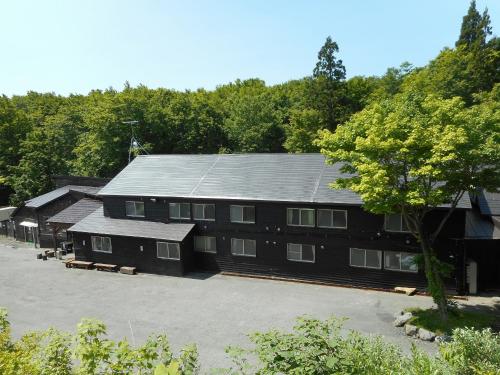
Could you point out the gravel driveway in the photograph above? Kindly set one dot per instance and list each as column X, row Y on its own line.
column 211, row 310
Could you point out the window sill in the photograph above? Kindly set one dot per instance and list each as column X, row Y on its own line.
column 301, row 261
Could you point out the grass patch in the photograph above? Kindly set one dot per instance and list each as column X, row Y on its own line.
column 458, row 318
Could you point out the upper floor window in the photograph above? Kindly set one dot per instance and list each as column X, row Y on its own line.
column 179, row 211
column 300, row 252
column 300, row 217
column 400, row 261
column 205, row 244
column 203, row 211
column 395, row 223
column 365, row 258
column 242, row 214
column 168, row 250
column 134, row 208
column 243, row 247
column 332, row 218
column 102, row 244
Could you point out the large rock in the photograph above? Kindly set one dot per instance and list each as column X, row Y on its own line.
column 402, row 319
column 411, row 330
column 426, row 335
column 398, row 314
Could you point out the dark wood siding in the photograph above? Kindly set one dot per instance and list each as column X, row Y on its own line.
column 126, row 252
column 332, row 246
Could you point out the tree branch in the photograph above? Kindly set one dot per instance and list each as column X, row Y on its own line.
column 447, row 216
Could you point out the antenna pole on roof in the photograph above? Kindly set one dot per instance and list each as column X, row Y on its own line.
column 134, row 143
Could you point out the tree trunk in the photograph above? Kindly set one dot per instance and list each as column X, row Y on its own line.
column 433, row 274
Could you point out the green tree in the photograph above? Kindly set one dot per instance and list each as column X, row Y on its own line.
column 475, row 29
column 415, row 154
column 328, row 89
column 302, row 130
column 253, row 124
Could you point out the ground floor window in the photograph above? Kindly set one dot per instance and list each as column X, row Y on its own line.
column 243, row 247
column 400, row 261
column 168, row 250
column 205, row 244
column 102, row 244
column 300, row 252
column 365, row 258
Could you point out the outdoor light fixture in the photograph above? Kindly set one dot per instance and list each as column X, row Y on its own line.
column 152, row 199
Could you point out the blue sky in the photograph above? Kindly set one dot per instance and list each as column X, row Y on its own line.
column 75, row 46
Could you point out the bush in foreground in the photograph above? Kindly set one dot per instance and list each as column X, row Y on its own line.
column 313, row 347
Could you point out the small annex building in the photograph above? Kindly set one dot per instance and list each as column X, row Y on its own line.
column 6, row 226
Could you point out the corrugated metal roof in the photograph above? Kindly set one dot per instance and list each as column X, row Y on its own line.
column 76, row 212
column 96, row 222
column 489, row 203
column 6, row 212
column 269, row 177
column 481, row 227
column 42, row 200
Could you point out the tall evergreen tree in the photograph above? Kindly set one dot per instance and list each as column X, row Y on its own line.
column 475, row 28
column 329, row 84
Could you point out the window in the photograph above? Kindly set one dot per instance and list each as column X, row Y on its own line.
column 332, row 218
column 134, row 208
column 179, row 211
column 102, row 244
column 205, row 244
column 300, row 252
column 366, row 258
column 243, row 247
column 399, row 261
column 168, row 250
column 395, row 223
column 242, row 214
column 204, row 211
column 300, row 216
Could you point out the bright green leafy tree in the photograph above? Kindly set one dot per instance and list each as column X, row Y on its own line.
column 415, row 154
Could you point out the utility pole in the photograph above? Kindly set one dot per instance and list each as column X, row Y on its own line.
column 134, row 143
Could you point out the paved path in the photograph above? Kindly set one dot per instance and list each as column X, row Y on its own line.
column 213, row 312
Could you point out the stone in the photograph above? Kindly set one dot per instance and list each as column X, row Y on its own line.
column 127, row 270
column 398, row 314
column 402, row 319
column 426, row 335
column 442, row 338
column 411, row 330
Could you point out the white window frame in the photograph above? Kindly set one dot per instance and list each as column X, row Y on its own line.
column 204, row 206
column 331, row 215
column 168, row 250
column 242, row 214
column 380, row 255
column 206, row 239
column 300, row 217
column 400, row 254
column 244, row 255
column 178, row 217
column 94, row 247
column 135, row 209
column 400, row 224
column 301, row 257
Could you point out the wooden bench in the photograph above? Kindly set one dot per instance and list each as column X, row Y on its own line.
column 81, row 264
column 106, row 267
column 50, row 253
column 127, row 270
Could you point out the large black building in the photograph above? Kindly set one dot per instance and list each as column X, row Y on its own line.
column 259, row 214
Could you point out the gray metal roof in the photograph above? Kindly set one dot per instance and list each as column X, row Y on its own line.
column 96, row 222
column 489, row 203
column 6, row 212
column 42, row 200
column 76, row 212
column 270, row 177
column 478, row 226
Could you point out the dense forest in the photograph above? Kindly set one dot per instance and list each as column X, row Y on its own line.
column 44, row 134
